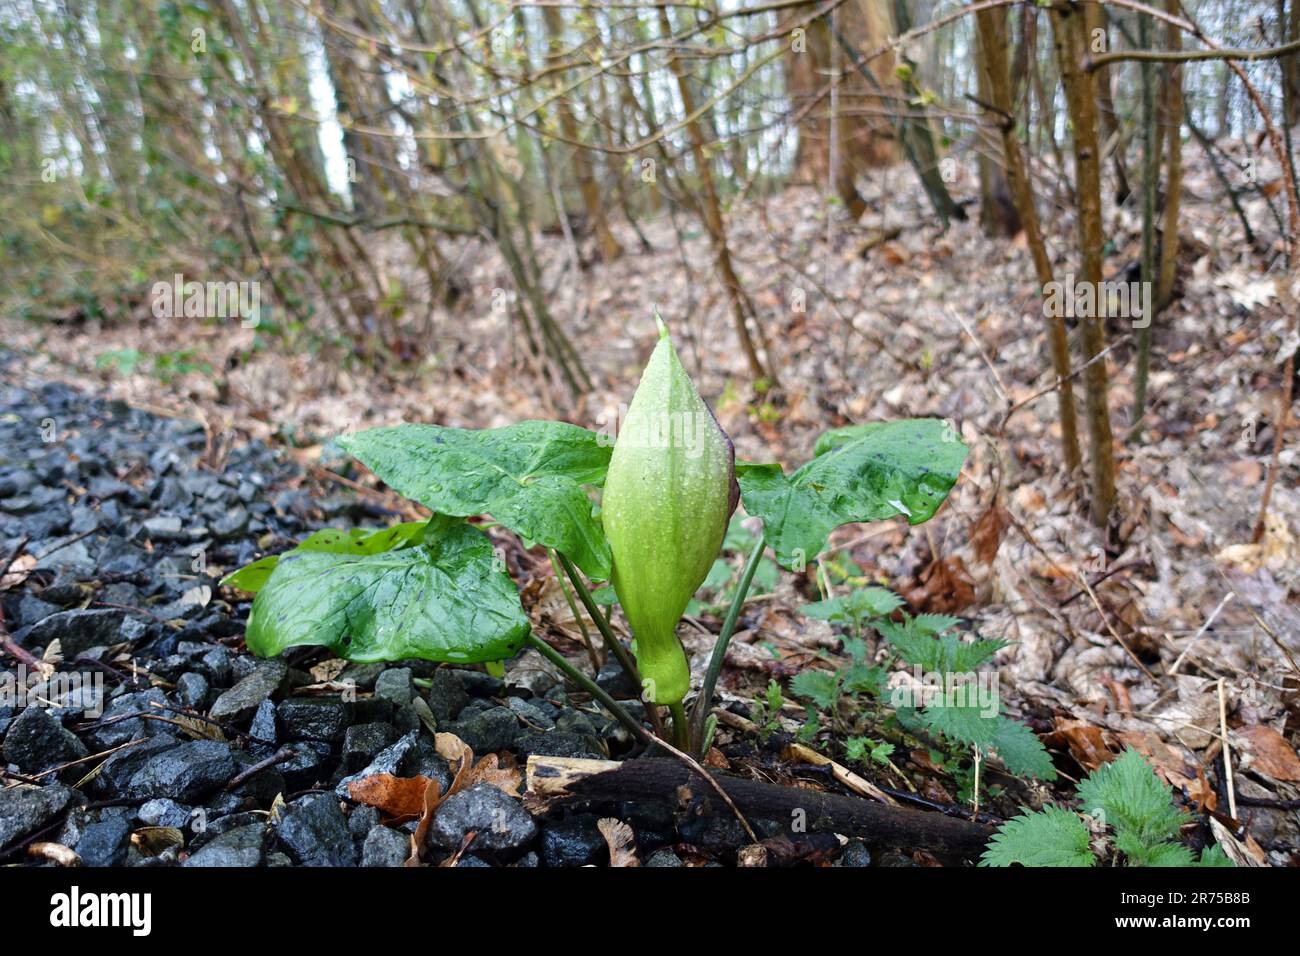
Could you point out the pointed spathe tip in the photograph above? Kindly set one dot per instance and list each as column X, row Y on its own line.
column 663, row 329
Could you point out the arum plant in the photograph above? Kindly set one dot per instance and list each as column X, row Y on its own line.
column 436, row 590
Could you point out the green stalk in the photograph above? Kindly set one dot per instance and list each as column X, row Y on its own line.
column 681, row 726
column 704, row 701
column 590, row 686
column 573, row 608
column 615, row 645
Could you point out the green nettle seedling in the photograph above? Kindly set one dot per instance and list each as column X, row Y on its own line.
column 436, row 590
column 1126, row 802
column 944, row 701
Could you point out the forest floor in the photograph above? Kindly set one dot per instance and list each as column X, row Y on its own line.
column 1143, row 645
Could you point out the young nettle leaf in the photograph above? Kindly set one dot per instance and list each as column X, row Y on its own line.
column 668, row 497
column 528, row 476
column 1132, row 799
column 875, row 472
column 820, row 687
column 444, row 599
column 1052, row 837
column 253, row 576
column 1125, row 795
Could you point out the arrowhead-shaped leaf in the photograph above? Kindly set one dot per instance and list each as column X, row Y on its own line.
column 251, row 577
column 861, row 473
column 528, row 476
column 441, row 600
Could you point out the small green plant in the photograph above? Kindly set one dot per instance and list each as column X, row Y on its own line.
column 942, row 698
column 436, row 590
column 1126, row 802
column 766, row 711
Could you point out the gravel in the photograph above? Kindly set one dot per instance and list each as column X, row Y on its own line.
column 500, row 822
column 135, row 529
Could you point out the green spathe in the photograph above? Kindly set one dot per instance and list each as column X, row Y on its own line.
column 668, row 496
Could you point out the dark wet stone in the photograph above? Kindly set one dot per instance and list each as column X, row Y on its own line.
column 77, row 631
column 617, row 682
column 446, row 696
column 472, row 862
column 315, row 833
column 395, row 685
column 388, row 760
column 184, row 773
column 501, row 823
column 363, row 742
column 385, row 846
column 558, row 743
column 37, row 741
column 115, row 731
column 494, row 729
column 192, row 690
column 313, row 719
column 232, row 524
column 262, row 729
column 310, row 764
column 574, row 722
column 104, row 843
column 161, row 812
column 24, row 809
column 532, row 715
column 573, row 842
column 31, row 609
column 664, row 857
column 165, row 528
column 855, row 853
column 114, row 777
column 242, row 700
column 423, row 760
column 713, row 831
column 361, row 820
column 241, row 846
column 479, row 684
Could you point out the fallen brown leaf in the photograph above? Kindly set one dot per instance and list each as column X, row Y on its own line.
column 398, row 798
column 986, row 534
column 1269, row 753
column 621, row 840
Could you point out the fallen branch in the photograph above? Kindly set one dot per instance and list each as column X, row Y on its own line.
column 561, row 779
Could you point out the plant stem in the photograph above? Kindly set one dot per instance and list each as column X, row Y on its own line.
column 681, row 726
column 615, row 645
column 591, row 687
column 573, row 608
column 705, row 700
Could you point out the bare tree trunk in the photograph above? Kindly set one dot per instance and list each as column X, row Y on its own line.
column 741, row 306
column 1070, row 37
column 1173, row 163
column 999, row 215
column 992, row 32
column 1095, row 15
column 582, row 171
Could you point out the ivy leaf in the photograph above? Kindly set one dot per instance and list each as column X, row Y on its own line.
column 441, row 600
column 1133, row 799
column 528, row 476
column 253, row 576
column 821, row 687
column 1052, row 837
column 1021, row 750
column 880, row 470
